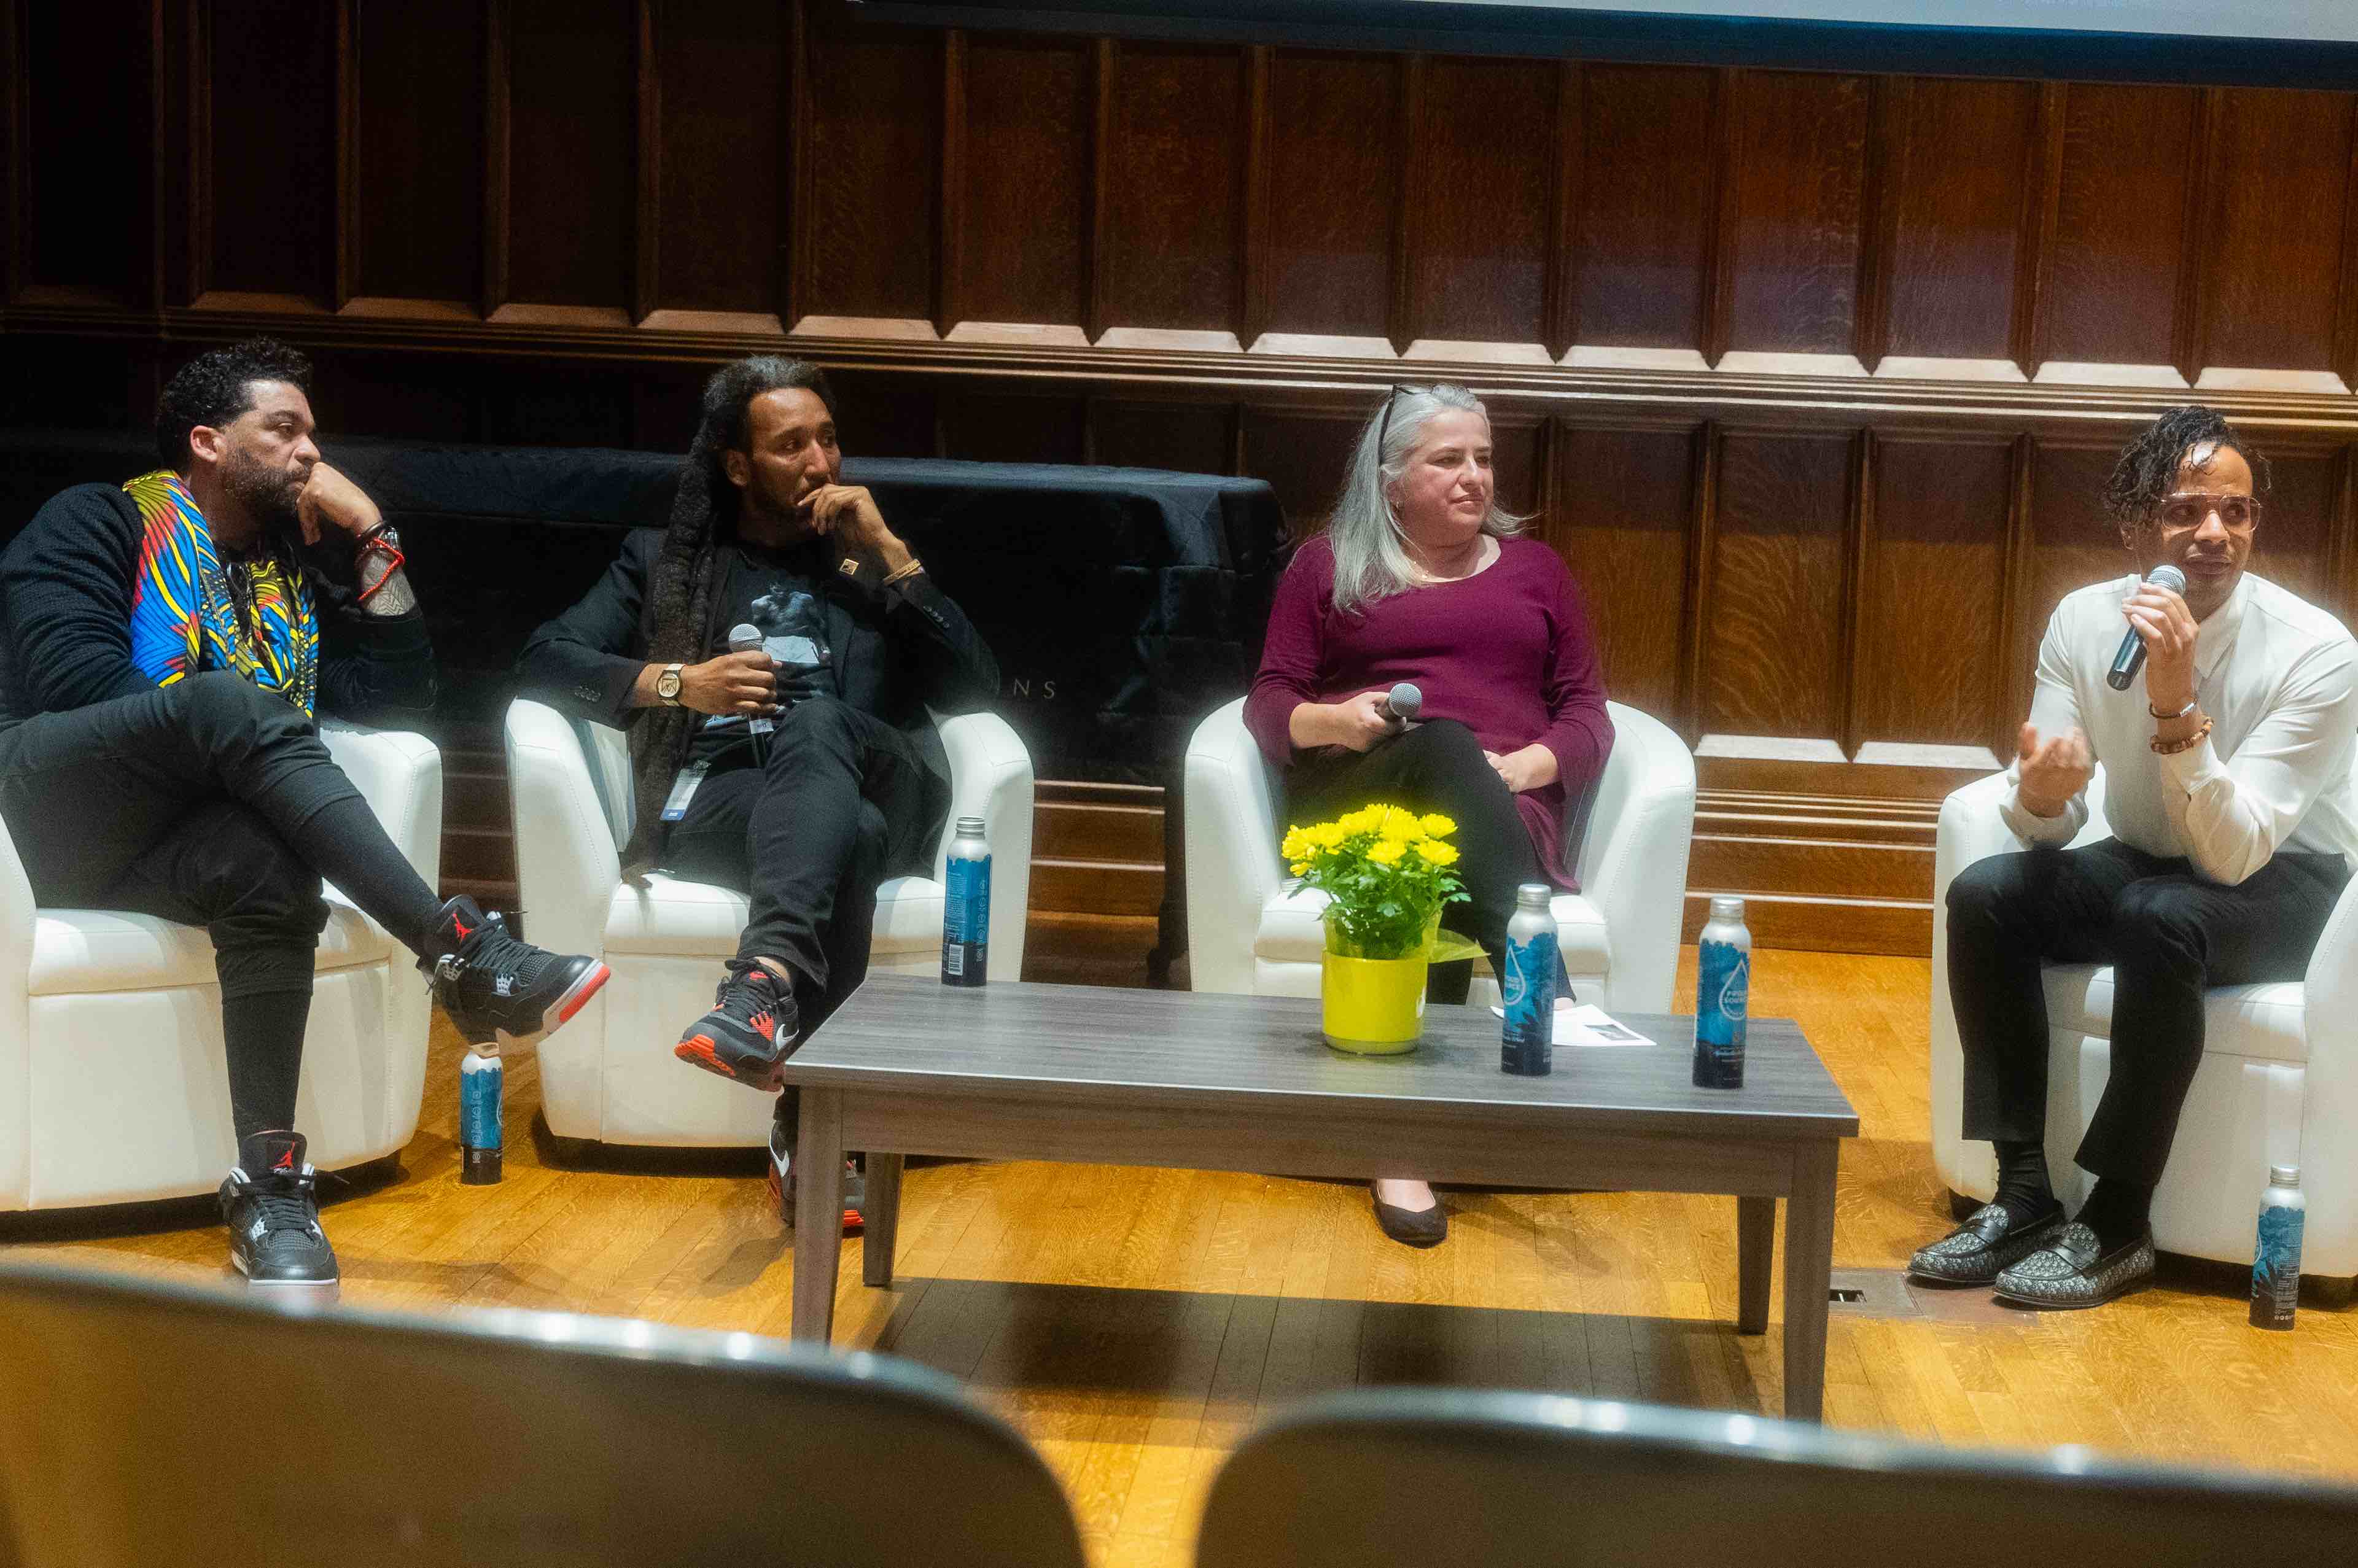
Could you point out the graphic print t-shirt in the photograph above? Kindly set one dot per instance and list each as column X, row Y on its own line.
column 770, row 593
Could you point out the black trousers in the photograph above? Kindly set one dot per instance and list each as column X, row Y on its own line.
column 188, row 802
column 2167, row 933
column 1437, row 766
column 838, row 800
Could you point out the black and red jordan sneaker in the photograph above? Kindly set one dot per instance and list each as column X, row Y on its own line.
column 782, row 1182
column 749, row 1031
column 271, row 1205
column 496, row 988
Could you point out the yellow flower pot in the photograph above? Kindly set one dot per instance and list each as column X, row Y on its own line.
column 1373, row 1007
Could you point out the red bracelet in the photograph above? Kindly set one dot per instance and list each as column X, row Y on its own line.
column 395, row 560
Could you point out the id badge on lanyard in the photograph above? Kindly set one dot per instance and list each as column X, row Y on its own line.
column 682, row 790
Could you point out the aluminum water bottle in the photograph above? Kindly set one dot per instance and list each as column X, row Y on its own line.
column 966, row 919
column 2275, row 1261
column 1527, row 1047
column 1723, row 988
column 478, row 1116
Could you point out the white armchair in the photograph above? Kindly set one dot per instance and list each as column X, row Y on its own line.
column 113, row 1080
column 2279, row 1083
column 611, row 1076
column 1251, row 931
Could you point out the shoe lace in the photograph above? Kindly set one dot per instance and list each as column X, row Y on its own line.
column 283, row 1204
column 750, row 991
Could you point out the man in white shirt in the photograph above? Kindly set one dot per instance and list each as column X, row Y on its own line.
column 2228, row 787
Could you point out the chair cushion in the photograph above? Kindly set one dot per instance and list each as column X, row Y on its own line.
column 675, row 918
column 1292, row 930
column 2263, row 1020
column 78, row 952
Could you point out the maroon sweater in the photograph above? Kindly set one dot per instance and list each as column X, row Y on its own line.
column 1506, row 652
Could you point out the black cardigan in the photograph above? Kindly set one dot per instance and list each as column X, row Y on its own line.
column 900, row 654
column 65, row 621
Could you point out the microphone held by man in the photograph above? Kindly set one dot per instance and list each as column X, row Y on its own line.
column 2131, row 658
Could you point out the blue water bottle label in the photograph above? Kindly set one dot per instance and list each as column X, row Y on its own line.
column 479, row 1102
column 1527, row 993
column 965, row 921
column 2276, row 1266
column 1723, row 982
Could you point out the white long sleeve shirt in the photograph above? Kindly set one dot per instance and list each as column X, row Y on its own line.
column 2279, row 678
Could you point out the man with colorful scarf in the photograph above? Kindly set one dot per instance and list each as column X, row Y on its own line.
column 160, row 661
column 802, row 771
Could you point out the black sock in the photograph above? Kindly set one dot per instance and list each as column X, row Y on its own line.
column 2117, row 1211
column 2022, row 1187
column 346, row 844
column 264, row 1034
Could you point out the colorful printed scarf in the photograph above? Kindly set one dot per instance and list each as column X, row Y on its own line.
column 185, row 619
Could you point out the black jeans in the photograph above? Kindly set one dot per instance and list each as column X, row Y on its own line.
column 837, row 802
column 211, row 802
column 2167, row 933
column 1437, row 766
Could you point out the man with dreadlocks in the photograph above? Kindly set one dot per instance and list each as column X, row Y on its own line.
column 2227, row 785
column 161, row 660
column 802, row 773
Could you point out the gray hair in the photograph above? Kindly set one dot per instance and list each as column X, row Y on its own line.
column 1371, row 560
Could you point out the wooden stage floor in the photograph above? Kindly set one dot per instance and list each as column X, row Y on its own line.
column 1134, row 1322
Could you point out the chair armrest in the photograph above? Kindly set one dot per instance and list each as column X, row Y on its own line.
column 991, row 777
column 1633, row 862
column 15, row 1029
column 399, row 774
column 2329, row 1132
column 1232, row 864
column 567, row 864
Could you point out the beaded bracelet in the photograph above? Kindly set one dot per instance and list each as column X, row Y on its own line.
column 2171, row 748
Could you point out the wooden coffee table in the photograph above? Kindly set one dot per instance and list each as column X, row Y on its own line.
column 1203, row 1081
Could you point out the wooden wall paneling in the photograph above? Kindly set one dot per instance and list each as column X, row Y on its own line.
column 498, row 154
column 647, row 148
column 990, row 420
column 271, row 139
column 1178, row 131
column 1619, row 515
column 16, row 182
column 886, row 415
column 573, row 183
column 2205, row 191
column 1332, row 194
column 1799, row 198
column 1771, row 644
column 1645, row 207
column 2277, row 244
column 2042, row 190
column 793, row 167
column 1520, row 461
column 1927, row 668
column 1303, row 454
column 1560, row 279
column 1883, row 169
column 714, row 115
column 1702, row 550
column 2073, row 543
column 1025, row 180
column 950, row 232
column 2120, row 224
column 1105, row 66
column 2296, row 542
column 411, row 216
column 1252, row 241
column 1407, row 166
column 343, row 279
column 1850, row 598
column 874, row 214
column 1961, row 155
column 2016, row 588
column 2342, row 541
column 1484, row 205
column 1189, row 438
column 78, row 160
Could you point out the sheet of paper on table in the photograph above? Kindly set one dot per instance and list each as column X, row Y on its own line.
column 1589, row 1024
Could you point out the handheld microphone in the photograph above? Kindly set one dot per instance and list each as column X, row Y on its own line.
column 1401, row 704
column 746, row 638
column 2131, row 658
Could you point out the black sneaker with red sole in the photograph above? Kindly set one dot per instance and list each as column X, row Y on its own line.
column 782, row 1184
column 497, row 990
column 749, row 1031
column 271, row 1205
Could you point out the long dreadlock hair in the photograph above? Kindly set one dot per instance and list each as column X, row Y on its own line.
column 678, row 612
column 2148, row 470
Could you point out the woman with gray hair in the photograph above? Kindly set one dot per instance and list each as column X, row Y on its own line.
column 1420, row 576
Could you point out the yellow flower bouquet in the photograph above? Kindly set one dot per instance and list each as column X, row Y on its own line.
column 1387, row 871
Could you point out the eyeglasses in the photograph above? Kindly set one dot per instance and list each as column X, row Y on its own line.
column 2190, row 509
column 1385, row 428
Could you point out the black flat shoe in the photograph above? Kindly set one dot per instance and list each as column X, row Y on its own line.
column 1977, row 1251
column 1413, row 1228
column 2072, row 1271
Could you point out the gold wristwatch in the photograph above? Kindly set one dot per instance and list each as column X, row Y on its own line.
column 667, row 685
